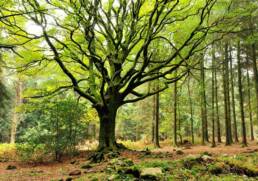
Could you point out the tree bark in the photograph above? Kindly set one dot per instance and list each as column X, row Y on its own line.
column 241, row 99
column 107, row 139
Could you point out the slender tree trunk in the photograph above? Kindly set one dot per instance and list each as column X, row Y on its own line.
column 255, row 71
column 179, row 121
column 226, row 98
column 191, row 110
column 153, row 118
column 205, row 136
column 14, row 127
column 175, row 113
column 233, row 98
column 241, row 99
column 58, row 154
column 217, row 106
column 213, row 99
column 156, row 117
column 249, row 105
column 153, row 113
column 15, row 117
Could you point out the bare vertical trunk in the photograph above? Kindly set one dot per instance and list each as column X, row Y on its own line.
column 241, row 99
column 255, row 71
column 175, row 113
column 179, row 121
column 56, row 125
column 249, row 105
column 213, row 100
column 15, row 118
column 156, row 117
column 13, row 127
column 254, row 63
column 217, row 106
column 205, row 136
column 227, row 98
column 153, row 112
column 233, row 98
column 191, row 110
column 153, row 118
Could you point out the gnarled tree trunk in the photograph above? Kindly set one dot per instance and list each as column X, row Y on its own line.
column 107, row 137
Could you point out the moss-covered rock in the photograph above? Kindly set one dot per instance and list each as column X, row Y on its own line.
column 134, row 171
column 189, row 162
column 86, row 165
column 151, row 173
column 75, row 173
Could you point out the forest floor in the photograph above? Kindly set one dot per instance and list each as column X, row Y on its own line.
column 185, row 163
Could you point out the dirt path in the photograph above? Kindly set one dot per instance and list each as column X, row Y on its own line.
column 218, row 150
column 55, row 171
column 169, row 152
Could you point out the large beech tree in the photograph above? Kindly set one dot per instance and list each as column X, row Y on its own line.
column 105, row 47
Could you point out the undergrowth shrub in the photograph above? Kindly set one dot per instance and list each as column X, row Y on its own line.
column 32, row 153
column 51, row 128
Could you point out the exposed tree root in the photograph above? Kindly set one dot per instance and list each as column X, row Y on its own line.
column 106, row 153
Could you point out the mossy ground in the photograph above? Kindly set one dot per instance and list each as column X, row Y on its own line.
column 221, row 163
column 220, row 168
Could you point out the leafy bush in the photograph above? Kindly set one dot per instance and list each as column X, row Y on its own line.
column 55, row 126
column 33, row 153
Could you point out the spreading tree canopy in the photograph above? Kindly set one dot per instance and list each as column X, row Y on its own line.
column 108, row 49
